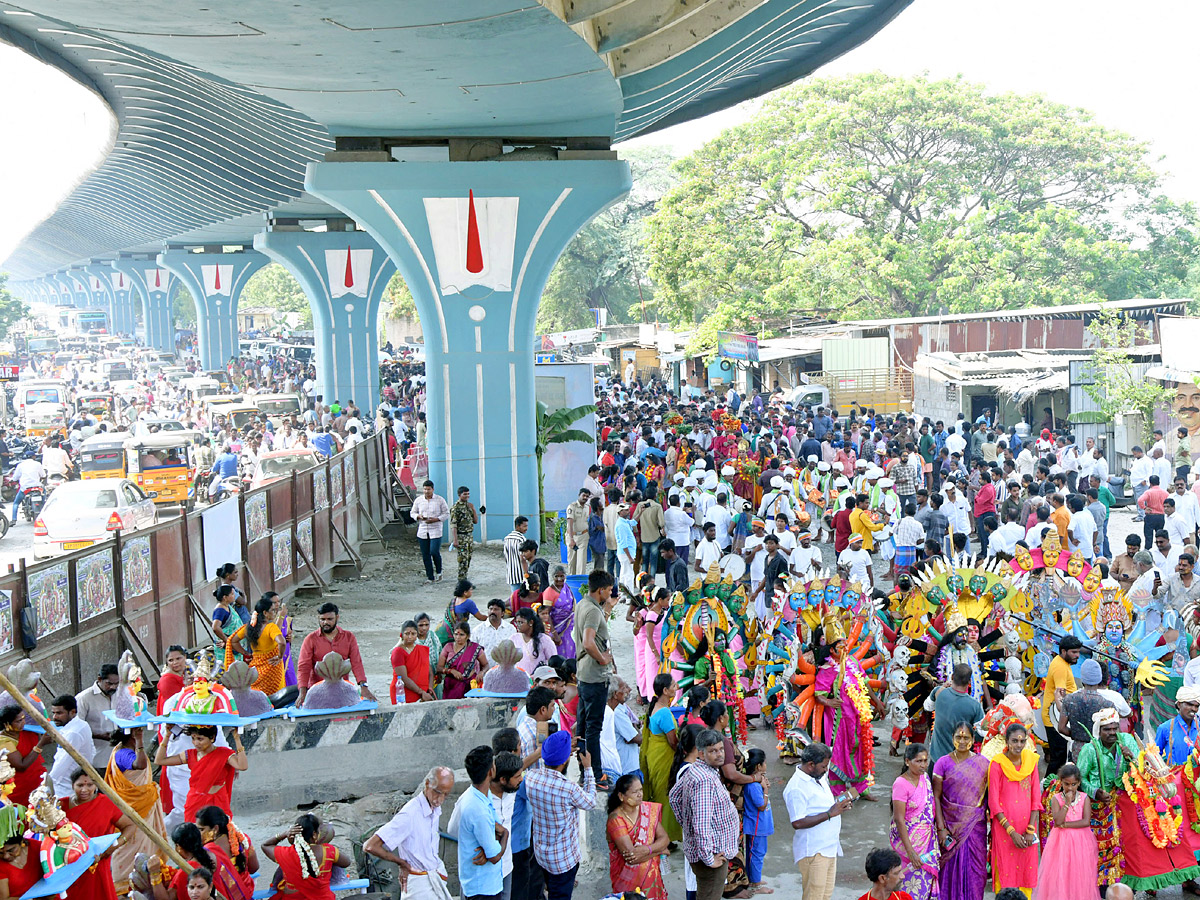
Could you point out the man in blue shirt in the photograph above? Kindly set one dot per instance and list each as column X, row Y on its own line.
column 1177, row 737
column 323, row 442
column 225, row 466
column 481, row 839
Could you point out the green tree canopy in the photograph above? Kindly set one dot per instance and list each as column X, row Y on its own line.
column 872, row 196
column 606, row 265
column 274, row 287
column 12, row 310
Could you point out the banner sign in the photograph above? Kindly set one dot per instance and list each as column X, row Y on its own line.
column 737, row 346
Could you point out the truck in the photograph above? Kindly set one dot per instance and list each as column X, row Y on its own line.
column 883, row 390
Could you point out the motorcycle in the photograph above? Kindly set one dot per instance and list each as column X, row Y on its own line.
column 32, row 502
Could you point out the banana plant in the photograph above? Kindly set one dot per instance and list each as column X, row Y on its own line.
column 555, row 428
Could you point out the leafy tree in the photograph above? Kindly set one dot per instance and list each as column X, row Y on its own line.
column 606, row 266
column 1118, row 386
column 183, row 308
column 555, row 428
column 873, row 196
column 274, row 287
column 12, row 310
column 398, row 300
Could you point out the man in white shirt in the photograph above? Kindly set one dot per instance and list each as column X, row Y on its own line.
column 1036, row 532
column 955, row 442
column 708, row 551
column 1081, row 530
column 782, row 530
column 64, row 713
column 754, row 550
column 805, row 560
column 1026, row 464
column 1175, row 524
column 1164, row 553
column 1187, row 507
column 494, row 628
column 1160, row 465
column 56, row 461
column 678, row 525
column 1140, row 471
column 815, row 815
column 412, row 840
column 28, row 473
column 720, row 516
column 957, row 509
column 1004, row 539
column 855, row 563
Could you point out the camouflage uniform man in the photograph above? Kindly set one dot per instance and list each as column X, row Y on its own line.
column 463, row 519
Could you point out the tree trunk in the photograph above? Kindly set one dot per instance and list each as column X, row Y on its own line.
column 541, row 503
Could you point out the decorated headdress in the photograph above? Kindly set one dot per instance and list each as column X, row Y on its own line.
column 1110, row 605
column 7, row 772
column 955, row 619
column 44, row 812
column 831, row 627
column 1100, row 718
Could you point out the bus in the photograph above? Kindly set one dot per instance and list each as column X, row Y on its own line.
column 42, row 343
column 87, row 321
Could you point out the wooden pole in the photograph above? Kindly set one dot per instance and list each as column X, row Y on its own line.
column 101, row 785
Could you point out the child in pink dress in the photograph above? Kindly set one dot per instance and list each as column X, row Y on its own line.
column 1071, row 857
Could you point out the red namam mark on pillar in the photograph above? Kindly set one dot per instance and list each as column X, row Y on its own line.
column 349, row 280
column 217, row 278
column 474, row 248
column 158, row 277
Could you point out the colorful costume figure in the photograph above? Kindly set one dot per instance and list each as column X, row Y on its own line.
column 205, row 697
column 1102, row 771
column 63, row 841
column 1110, row 630
column 841, row 687
column 128, row 703
column 1157, row 839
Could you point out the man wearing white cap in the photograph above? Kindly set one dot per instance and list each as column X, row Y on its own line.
column 809, row 475
column 777, row 500
column 860, row 476
column 1176, row 737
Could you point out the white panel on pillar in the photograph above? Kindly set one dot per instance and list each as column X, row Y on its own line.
column 348, row 272
column 158, row 280
column 95, row 283
column 218, row 280
column 119, row 282
column 474, row 240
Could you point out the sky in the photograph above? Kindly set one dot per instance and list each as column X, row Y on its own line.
column 1127, row 63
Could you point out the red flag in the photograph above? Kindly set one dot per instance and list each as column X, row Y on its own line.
column 349, row 270
column 474, row 249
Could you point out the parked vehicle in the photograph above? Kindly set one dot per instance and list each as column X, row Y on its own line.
column 277, row 464
column 82, row 513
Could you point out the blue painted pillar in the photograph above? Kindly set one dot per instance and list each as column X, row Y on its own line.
column 81, row 290
column 344, row 275
column 116, row 289
column 155, row 286
column 64, row 286
column 475, row 241
column 215, row 281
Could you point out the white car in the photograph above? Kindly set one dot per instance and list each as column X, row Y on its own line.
column 82, row 513
column 276, row 464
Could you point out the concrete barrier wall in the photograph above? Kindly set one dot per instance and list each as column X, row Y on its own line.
column 321, row 759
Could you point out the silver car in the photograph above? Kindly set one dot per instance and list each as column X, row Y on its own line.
column 82, row 513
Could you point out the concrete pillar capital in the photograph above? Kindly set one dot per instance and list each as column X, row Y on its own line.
column 155, row 286
column 215, row 281
column 344, row 275
column 476, row 241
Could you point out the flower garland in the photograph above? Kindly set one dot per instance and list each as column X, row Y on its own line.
column 1161, row 819
column 1190, row 774
column 731, row 424
column 862, row 704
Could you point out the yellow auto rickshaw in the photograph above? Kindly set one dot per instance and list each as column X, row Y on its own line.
column 161, row 463
column 100, row 405
column 42, row 419
column 103, row 456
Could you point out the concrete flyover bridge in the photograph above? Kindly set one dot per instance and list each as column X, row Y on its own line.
column 461, row 142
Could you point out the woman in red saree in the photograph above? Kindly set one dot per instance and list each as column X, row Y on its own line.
column 212, row 768
column 24, row 753
column 410, row 667
column 170, row 682
column 231, row 850
column 190, row 845
column 96, row 815
column 304, row 861
column 636, row 837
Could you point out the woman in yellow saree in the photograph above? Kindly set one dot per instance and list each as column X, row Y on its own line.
column 261, row 645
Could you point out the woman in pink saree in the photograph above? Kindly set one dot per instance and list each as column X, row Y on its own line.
column 636, row 837
column 841, row 687
column 960, row 781
column 647, row 639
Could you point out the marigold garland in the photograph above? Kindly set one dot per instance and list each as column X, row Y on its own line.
column 1190, row 774
column 1161, row 819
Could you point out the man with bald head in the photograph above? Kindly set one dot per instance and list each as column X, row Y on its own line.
column 411, row 839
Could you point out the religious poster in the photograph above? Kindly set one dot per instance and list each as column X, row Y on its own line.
column 320, row 490
column 95, row 592
column 304, row 539
column 281, row 553
column 335, row 478
column 350, row 485
column 256, row 517
column 6, row 621
column 135, row 567
column 50, row 596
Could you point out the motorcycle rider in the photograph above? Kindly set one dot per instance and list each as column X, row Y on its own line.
column 56, row 460
column 29, row 474
column 225, row 466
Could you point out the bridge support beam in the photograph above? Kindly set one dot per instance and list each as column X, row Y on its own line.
column 97, row 285
column 156, row 286
column 215, row 281
column 344, row 275
column 476, row 241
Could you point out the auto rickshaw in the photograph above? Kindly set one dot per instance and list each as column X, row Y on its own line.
column 42, row 419
column 161, row 463
column 100, row 405
column 103, row 456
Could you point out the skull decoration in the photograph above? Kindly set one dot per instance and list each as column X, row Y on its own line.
column 898, row 712
column 897, row 681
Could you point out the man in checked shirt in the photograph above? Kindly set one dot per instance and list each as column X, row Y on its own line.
column 709, row 819
column 554, row 804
